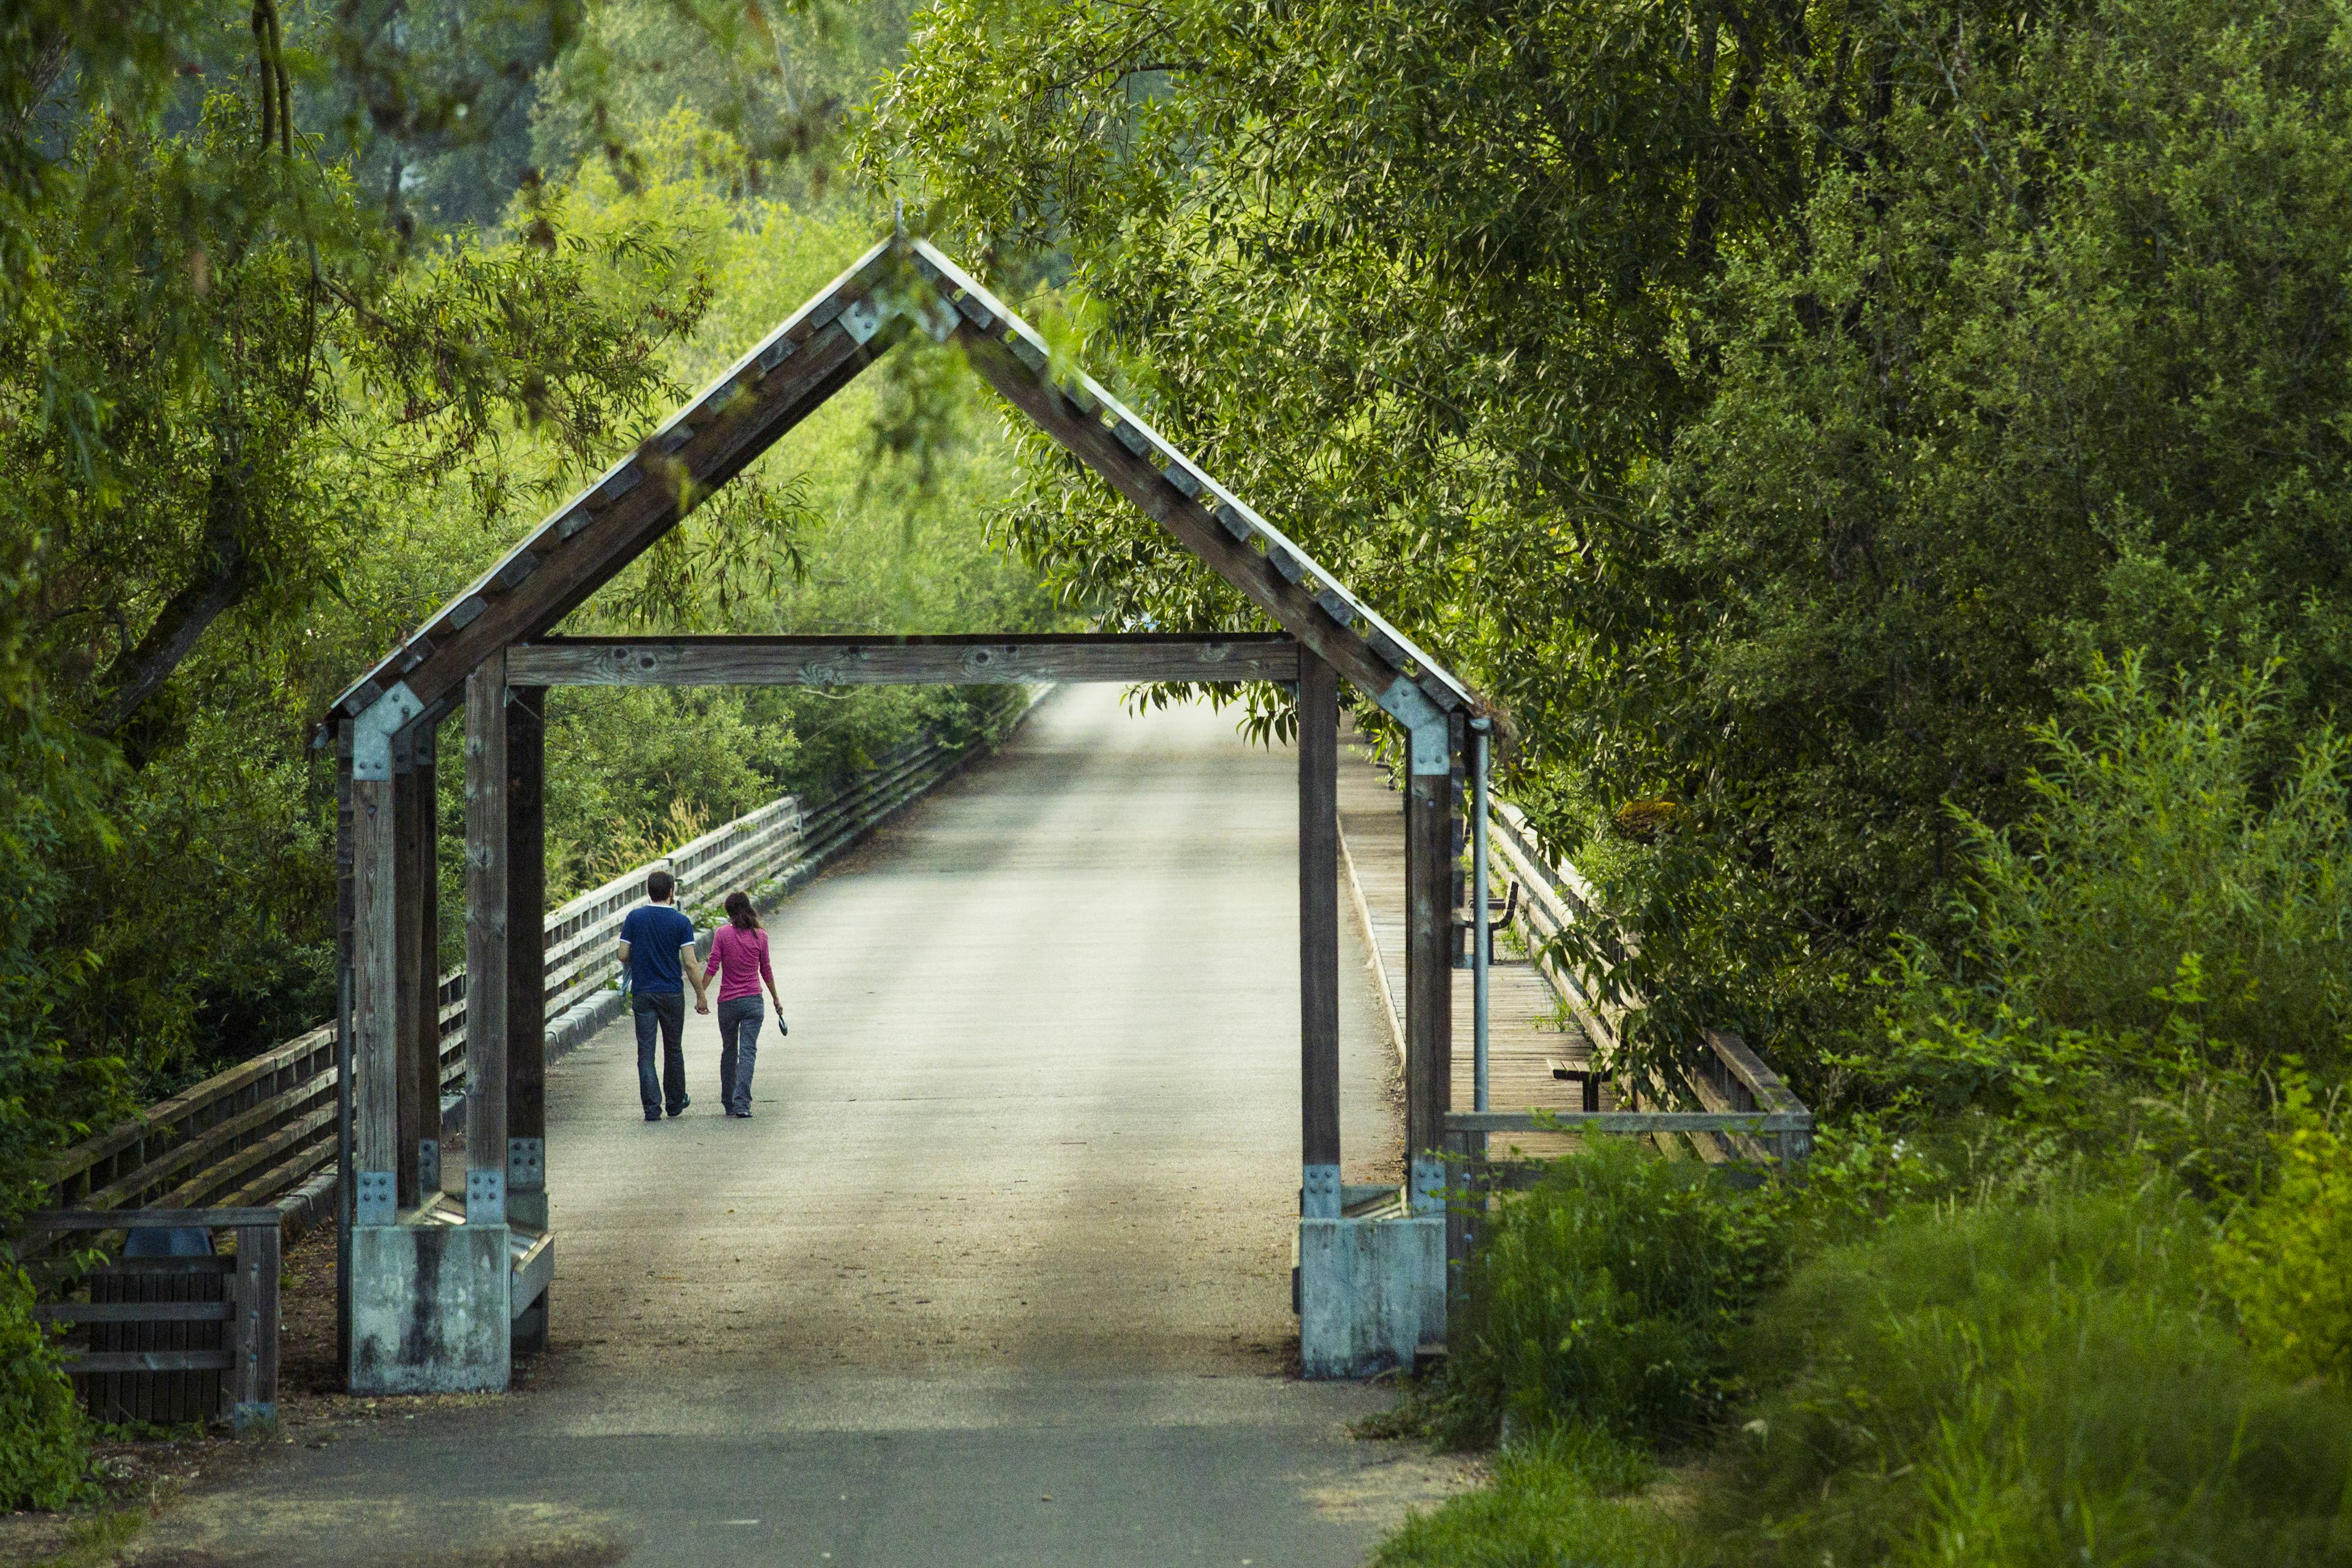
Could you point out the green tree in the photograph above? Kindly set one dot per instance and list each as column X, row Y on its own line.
column 1772, row 408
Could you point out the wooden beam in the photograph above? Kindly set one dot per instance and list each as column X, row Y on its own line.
column 153, row 1219
column 744, row 421
column 526, row 875
column 251, row 1388
column 425, row 1056
column 1542, row 1121
column 984, row 660
column 1428, row 963
column 1318, row 920
column 486, row 942
column 408, row 916
column 375, row 1003
column 346, row 982
column 1288, row 605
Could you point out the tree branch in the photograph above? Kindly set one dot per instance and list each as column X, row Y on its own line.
column 139, row 674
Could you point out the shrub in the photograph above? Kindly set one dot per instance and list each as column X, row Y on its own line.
column 2286, row 1261
column 44, row 1435
column 2177, row 904
column 2170, row 925
column 1606, row 1297
column 2026, row 1387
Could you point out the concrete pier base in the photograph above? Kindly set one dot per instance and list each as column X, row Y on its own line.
column 431, row 1308
column 1371, row 1293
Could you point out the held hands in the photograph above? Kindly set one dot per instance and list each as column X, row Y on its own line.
column 701, row 1002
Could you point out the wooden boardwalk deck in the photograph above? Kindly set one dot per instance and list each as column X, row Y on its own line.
column 1527, row 1029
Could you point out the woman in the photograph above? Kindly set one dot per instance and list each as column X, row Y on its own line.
column 738, row 956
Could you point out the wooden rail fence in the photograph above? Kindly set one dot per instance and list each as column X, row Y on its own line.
column 263, row 1131
column 1728, row 1104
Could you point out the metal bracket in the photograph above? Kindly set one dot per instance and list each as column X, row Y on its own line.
column 1428, row 1185
column 1432, row 740
column 428, row 1164
column 372, row 731
column 375, row 1199
column 486, row 1197
column 526, row 1164
column 861, row 320
column 1318, row 1191
column 928, row 308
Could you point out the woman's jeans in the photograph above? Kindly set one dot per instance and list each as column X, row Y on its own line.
column 739, row 1049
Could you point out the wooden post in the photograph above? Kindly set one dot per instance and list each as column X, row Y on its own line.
column 375, row 1002
column 251, row 1385
column 409, row 958
column 1319, row 936
column 526, row 718
column 345, row 981
column 486, row 943
column 426, row 1055
column 1428, row 981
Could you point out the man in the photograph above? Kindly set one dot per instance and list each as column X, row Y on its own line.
column 656, row 948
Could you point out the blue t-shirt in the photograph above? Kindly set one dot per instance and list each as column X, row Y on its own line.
column 655, row 932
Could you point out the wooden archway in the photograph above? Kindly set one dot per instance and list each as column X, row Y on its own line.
column 492, row 650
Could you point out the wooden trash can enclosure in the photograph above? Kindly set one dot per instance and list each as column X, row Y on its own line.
column 171, row 1339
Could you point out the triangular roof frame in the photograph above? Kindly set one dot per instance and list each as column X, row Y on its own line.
column 899, row 285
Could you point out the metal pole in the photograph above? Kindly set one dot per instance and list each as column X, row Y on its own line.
column 1481, row 938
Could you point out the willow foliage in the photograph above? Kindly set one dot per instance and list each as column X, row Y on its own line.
column 1774, row 407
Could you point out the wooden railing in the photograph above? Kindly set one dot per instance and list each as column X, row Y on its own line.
column 172, row 1339
column 264, row 1131
column 1742, row 1107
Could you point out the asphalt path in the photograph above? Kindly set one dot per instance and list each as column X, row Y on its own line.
column 998, row 1272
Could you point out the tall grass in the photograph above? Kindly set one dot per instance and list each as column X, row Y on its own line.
column 1554, row 1502
column 2023, row 1387
column 1606, row 1297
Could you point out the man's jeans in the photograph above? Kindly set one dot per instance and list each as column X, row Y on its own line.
column 666, row 1011
column 738, row 1048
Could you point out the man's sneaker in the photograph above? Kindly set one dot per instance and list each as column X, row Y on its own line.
column 679, row 1109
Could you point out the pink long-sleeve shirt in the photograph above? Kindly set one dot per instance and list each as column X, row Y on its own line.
column 740, row 957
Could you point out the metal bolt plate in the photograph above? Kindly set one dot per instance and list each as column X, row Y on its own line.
column 1318, row 1191
column 486, row 1197
column 375, row 1199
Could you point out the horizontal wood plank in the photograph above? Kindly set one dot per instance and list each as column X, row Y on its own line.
column 984, row 660
column 136, row 1312
column 148, row 1219
column 1624, row 1121
column 146, row 1360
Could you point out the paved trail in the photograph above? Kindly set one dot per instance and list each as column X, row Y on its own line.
column 998, row 1272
